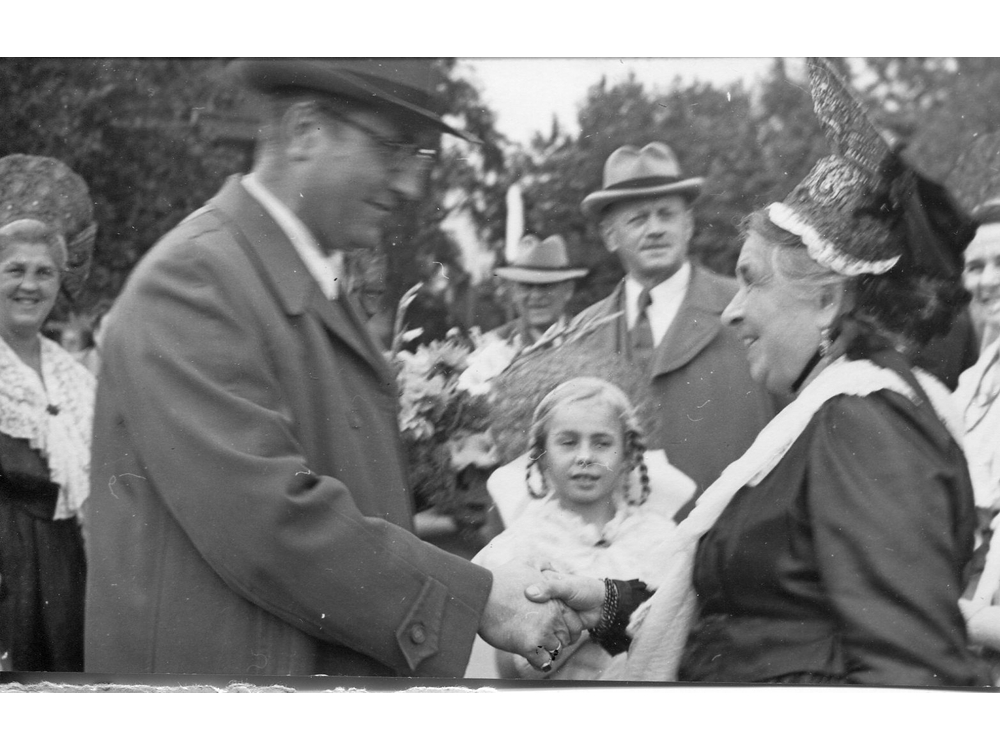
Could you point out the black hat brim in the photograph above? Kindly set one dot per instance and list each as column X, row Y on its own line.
column 270, row 76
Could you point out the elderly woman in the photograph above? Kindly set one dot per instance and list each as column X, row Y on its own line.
column 46, row 410
column 835, row 549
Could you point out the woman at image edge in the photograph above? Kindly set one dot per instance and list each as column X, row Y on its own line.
column 46, row 412
column 977, row 396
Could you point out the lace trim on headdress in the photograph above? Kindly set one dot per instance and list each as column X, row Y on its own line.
column 821, row 251
column 54, row 414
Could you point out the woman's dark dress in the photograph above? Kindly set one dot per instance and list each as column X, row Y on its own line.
column 42, row 567
column 846, row 562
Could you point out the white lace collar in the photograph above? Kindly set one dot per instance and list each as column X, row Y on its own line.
column 54, row 413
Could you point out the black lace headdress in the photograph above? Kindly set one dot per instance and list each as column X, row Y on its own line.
column 863, row 209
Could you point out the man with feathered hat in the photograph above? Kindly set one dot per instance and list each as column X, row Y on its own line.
column 251, row 512
column 709, row 409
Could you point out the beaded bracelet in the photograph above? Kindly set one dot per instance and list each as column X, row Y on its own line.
column 609, row 610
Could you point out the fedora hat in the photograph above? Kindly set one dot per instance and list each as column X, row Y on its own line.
column 645, row 172
column 406, row 86
column 541, row 262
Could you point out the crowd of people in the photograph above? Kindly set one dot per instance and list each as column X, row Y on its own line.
column 219, row 487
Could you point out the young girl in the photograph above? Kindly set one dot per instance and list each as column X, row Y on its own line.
column 593, row 511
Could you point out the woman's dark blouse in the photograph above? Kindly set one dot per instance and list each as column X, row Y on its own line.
column 24, row 478
column 846, row 561
column 42, row 567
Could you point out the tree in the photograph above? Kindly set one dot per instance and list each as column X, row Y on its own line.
column 129, row 128
column 155, row 138
column 938, row 106
column 750, row 146
column 467, row 178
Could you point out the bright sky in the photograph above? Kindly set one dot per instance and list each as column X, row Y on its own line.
column 526, row 92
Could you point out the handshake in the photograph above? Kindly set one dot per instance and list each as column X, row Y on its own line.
column 535, row 612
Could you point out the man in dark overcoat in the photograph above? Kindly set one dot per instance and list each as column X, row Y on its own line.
column 668, row 315
column 250, row 511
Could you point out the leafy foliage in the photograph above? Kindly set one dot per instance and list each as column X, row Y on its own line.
column 752, row 145
column 154, row 138
column 748, row 147
column 444, row 395
column 466, row 178
column 144, row 135
column 937, row 106
column 129, row 127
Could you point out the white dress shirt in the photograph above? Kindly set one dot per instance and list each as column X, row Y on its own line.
column 326, row 269
column 666, row 301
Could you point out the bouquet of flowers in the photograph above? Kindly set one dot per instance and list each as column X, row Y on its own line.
column 444, row 399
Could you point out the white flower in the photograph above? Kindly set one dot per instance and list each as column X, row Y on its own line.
column 416, row 426
column 491, row 357
column 473, row 449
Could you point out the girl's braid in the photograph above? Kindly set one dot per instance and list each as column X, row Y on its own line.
column 636, row 457
column 533, row 455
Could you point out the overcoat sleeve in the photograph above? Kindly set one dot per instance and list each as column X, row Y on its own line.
column 890, row 545
column 206, row 415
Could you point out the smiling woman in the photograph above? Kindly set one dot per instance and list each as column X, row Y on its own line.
column 31, row 256
column 978, row 395
column 785, row 305
column 46, row 408
column 982, row 272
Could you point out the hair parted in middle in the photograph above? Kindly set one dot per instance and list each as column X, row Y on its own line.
column 34, row 231
column 586, row 389
column 904, row 309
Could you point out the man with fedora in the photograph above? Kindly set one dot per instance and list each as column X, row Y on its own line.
column 250, row 511
column 541, row 285
column 709, row 408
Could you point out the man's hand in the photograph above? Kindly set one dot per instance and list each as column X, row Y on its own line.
column 585, row 596
column 536, row 631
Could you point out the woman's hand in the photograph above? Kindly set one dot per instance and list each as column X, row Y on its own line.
column 535, row 630
column 583, row 595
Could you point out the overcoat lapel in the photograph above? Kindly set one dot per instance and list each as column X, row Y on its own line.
column 272, row 253
column 696, row 324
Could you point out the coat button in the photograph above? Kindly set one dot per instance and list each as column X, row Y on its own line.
column 417, row 634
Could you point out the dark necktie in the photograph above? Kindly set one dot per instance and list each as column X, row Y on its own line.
column 642, row 332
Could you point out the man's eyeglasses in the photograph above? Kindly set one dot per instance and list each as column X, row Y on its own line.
column 394, row 154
